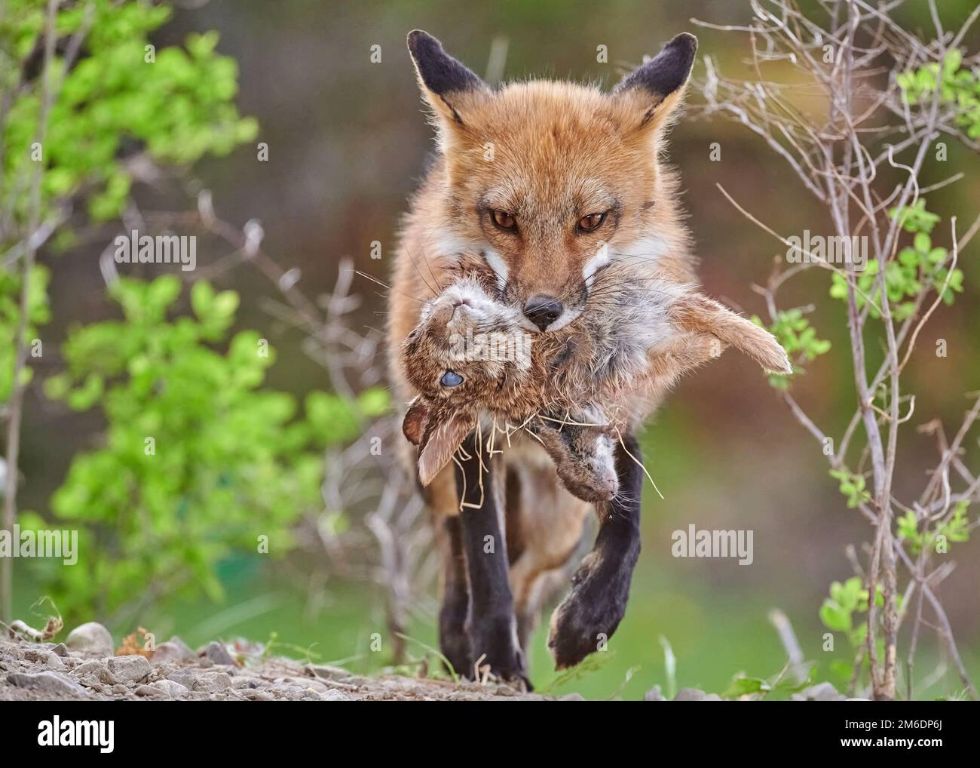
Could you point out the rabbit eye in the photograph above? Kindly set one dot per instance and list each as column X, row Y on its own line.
column 451, row 379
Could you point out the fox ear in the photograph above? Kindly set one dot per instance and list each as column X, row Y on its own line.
column 447, row 84
column 440, row 443
column 658, row 85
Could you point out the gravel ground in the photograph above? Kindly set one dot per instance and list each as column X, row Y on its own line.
column 85, row 667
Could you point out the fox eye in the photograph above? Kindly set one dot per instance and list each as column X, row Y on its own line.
column 591, row 222
column 503, row 220
column 451, row 379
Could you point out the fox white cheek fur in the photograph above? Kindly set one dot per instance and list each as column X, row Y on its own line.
column 496, row 262
column 595, row 263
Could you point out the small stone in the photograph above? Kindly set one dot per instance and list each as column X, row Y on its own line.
column 149, row 691
column 334, row 696
column 184, row 647
column 90, row 638
column 59, row 650
column 182, row 677
column 327, row 672
column 258, row 695
column 693, row 694
column 654, row 694
column 218, row 653
column 212, row 682
column 128, row 669
column 53, row 661
column 819, row 692
column 91, row 673
column 47, row 683
column 173, row 650
column 170, row 688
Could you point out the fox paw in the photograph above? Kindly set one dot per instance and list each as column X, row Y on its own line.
column 585, row 620
column 497, row 653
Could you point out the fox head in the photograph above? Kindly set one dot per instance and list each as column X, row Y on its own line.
column 552, row 182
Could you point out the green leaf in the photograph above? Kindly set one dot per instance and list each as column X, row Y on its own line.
column 225, row 304
column 746, row 686
column 202, row 300
column 374, row 402
column 834, row 617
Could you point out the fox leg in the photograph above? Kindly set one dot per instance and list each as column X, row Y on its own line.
column 591, row 612
column 491, row 623
column 442, row 502
column 544, row 531
column 453, row 641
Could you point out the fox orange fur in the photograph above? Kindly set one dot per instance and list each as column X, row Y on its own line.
column 557, row 196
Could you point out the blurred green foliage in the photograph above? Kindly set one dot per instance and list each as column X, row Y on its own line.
column 845, row 611
column 38, row 314
column 119, row 96
column 919, row 536
column 852, row 487
column 197, row 459
column 958, row 86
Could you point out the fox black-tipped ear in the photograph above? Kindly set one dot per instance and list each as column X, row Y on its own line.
column 444, row 80
column 661, row 80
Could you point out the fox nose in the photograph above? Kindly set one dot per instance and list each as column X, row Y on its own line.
column 542, row 310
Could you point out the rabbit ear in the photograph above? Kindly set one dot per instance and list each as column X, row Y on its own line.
column 702, row 315
column 413, row 425
column 440, row 442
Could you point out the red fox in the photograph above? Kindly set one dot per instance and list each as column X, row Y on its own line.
column 555, row 193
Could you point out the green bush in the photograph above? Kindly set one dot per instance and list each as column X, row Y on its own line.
column 197, row 461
